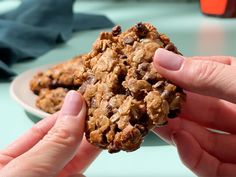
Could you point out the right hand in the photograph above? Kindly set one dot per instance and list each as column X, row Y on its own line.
column 210, row 84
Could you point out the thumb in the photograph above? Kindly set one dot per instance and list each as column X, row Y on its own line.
column 58, row 147
column 207, row 77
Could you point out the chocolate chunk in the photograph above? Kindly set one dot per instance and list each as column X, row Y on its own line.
column 123, row 56
column 128, row 40
column 116, row 30
column 89, row 81
column 171, row 47
column 164, row 39
column 141, row 30
column 109, row 110
column 173, row 113
column 142, row 69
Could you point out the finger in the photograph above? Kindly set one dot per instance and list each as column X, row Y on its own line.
column 211, row 142
column 221, row 59
column 85, row 155
column 210, row 112
column 198, row 160
column 193, row 156
column 58, row 147
column 27, row 140
column 200, row 76
column 165, row 132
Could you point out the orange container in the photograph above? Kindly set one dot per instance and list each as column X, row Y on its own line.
column 220, row 8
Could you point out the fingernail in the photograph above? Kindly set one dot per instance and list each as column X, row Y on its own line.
column 167, row 59
column 72, row 104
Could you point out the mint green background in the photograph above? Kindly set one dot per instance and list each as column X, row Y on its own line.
column 193, row 33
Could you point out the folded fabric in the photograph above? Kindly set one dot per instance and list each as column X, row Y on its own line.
column 37, row 26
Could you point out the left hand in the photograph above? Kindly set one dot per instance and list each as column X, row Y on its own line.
column 53, row 147
column 211, row 97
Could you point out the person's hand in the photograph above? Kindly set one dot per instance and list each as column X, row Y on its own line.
column 210, row 84
column 53, row 147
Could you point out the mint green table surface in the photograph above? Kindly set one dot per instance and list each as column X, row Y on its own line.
column 193, row 33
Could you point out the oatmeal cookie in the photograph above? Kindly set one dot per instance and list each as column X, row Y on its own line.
column 68, row 75
column 51, row 100
column 125, row 95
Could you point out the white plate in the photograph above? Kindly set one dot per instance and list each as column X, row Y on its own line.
column 21, row 93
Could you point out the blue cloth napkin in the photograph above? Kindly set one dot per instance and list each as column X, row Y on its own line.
column 37, row 26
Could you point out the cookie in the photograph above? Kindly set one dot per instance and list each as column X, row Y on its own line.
column 51, row 100
column 68, row 75
column 125, row 95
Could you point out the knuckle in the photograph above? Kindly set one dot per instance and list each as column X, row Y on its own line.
column 62, row 135
column 4, row 158
column 37, row 131
column 204, row 73
column 31, row 166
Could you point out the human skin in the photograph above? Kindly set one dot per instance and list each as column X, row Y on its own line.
column 56, row 147
column 210, row 86
column 53, row 147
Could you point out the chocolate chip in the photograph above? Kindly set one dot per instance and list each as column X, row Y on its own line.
column 158, row 84
column 165, row 94
column 109, row 110
column 151, row 78
column 173, row 113
column 93, row 102
column 178, row 89
column 116, row 30
column 141, row 30
column 113, row 148
column 125, row 62
column 143, row 66
column 128, row 40
column 123, row 56
column 141, row 128
column 141, row 71
column 171, row 47
column 140, row 26
column 128, row 92
column 135, row 113
column 138, row 74
column 91, row 80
